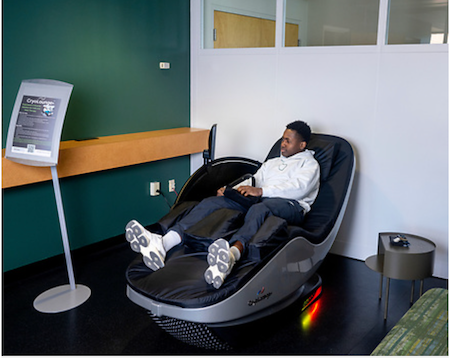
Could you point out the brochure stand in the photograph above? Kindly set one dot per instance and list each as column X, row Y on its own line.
column 33, row 139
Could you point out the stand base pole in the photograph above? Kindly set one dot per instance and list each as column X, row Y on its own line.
column 66, row 297
column 62, row 223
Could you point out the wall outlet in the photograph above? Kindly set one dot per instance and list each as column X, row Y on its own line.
column 171, row 185
column 154, row 188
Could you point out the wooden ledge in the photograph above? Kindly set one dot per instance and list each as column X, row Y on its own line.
column 81, row 157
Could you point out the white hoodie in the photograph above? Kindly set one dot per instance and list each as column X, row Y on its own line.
column 296, row 177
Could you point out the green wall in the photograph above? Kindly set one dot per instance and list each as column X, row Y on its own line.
column 110, row 51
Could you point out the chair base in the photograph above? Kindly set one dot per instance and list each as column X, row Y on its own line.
column 221, row 337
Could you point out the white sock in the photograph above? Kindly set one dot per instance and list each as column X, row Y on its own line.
column 236, row 253
column 171, row 239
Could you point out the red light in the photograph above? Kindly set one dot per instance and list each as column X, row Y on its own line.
column 317, row 294
column 312, row 298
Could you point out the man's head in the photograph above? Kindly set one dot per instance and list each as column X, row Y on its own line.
column 295, row 138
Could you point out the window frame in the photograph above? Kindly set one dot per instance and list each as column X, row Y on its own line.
column 380, row 46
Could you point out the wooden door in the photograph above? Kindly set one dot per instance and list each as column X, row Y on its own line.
column 241, row 31
column 291, row 35
column 238, row 31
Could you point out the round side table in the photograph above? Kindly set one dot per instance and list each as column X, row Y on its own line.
column 414, row 262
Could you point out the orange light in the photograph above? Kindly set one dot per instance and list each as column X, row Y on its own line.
column 316, row 306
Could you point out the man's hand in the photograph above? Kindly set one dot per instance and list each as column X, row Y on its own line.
column 220, row 191
column 247, row 190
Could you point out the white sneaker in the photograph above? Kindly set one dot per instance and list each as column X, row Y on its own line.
column 221, row 261
column 148, row 244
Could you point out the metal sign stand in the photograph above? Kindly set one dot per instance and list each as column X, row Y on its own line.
column 65, row 297
column 44, row 102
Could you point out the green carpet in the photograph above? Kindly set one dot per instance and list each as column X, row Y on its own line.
column 423, row 330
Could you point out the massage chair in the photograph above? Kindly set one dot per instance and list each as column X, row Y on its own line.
column 177, row 296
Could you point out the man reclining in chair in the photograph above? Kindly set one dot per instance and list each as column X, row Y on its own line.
column 286, row 187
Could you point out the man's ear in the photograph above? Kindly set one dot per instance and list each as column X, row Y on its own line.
column 303, row 145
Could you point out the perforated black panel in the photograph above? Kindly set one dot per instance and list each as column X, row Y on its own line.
column 195, row 334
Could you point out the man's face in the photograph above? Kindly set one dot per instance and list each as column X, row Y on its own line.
column 292, row 143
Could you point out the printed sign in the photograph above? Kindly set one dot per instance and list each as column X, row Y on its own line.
column 36, row 122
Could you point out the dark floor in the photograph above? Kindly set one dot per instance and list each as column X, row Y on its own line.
column 348, row 318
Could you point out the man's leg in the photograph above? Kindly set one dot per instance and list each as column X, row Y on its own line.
column 153, row 247
column 202, row 210
column 289, row 210
column 222, row 256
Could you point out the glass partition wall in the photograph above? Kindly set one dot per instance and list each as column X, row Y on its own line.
column 417, row 22
column 332, row 22
column 252, row 23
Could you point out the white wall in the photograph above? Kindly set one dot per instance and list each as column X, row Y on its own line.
column 389, row 102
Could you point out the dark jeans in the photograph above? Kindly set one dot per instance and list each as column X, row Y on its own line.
column 289, row 210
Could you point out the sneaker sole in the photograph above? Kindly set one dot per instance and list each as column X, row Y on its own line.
column 134, row 233
column 219, row 254
column 213, row 278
